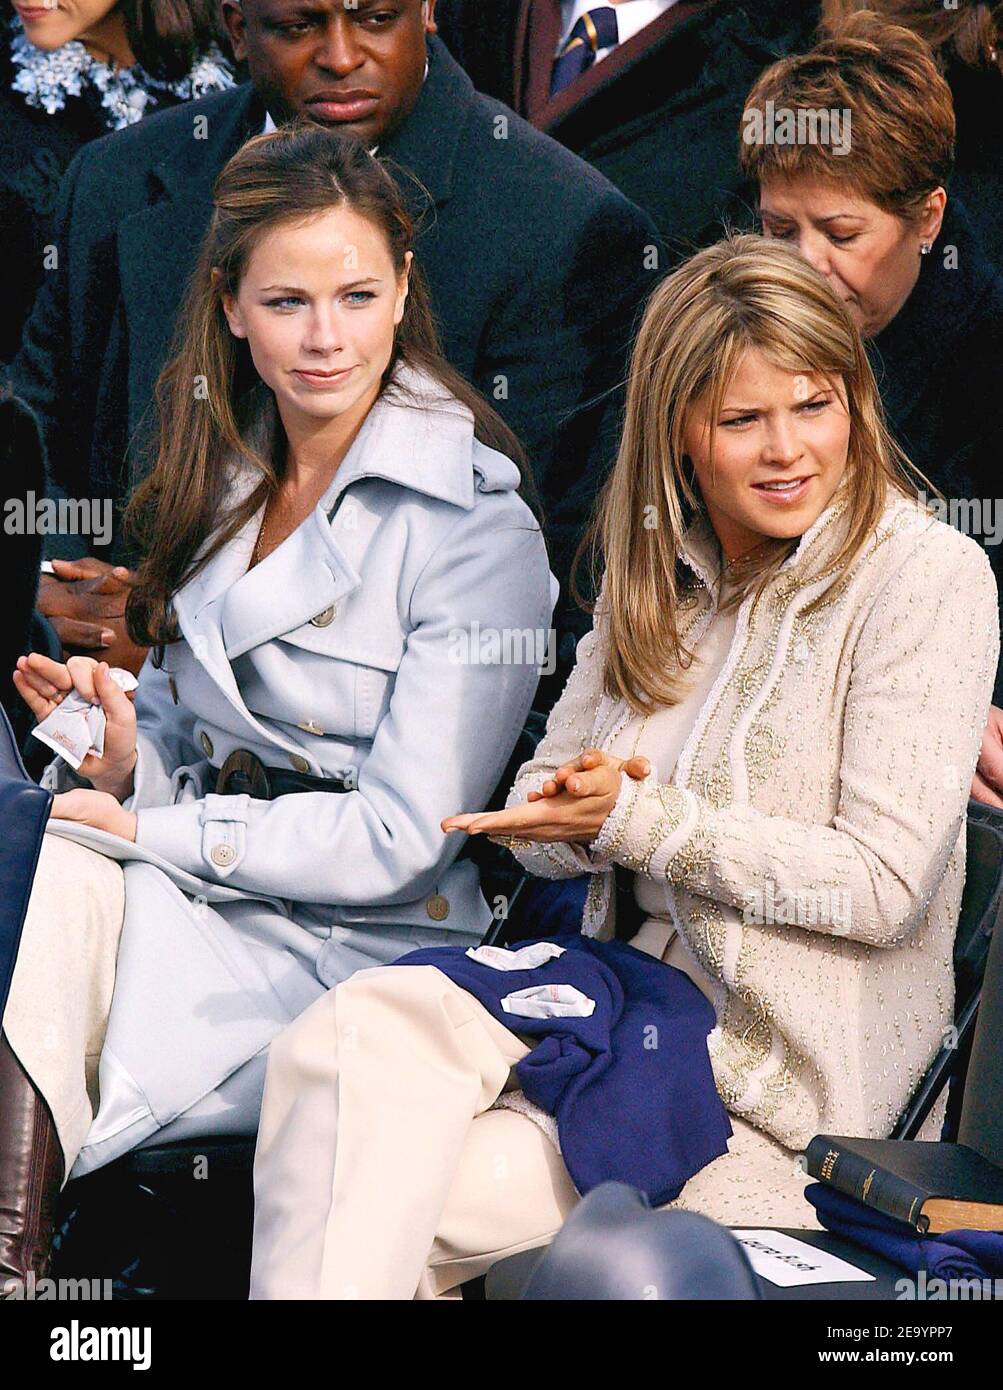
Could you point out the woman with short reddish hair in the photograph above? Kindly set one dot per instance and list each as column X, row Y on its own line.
column 874, row 214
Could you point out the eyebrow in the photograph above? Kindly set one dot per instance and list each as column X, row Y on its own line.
column 295, row 289
column 833, row 216
column 747, row 409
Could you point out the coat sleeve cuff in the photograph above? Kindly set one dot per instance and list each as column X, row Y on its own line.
column 648, row 825
column 206, row 838
column 173, row 832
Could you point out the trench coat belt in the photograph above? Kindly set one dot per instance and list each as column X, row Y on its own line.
column 244, row 772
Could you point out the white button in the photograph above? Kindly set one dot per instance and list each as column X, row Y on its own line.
column 222, row 855
column 325, row 618
column 299, row 764
column 206, row 743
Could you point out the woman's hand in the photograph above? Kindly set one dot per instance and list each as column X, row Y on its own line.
column 99, row 809
column 43, row 684
column 571, row 806
column 987, row 785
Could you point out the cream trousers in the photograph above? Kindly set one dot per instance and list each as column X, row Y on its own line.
column 64, row 976
column 61, row 994
column 382, row 1173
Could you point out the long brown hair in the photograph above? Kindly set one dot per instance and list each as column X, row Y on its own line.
column 744, row 292
column 213, row 407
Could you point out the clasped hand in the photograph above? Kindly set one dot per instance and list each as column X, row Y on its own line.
column 43, row 684
column 571, row 806
column 84, row 601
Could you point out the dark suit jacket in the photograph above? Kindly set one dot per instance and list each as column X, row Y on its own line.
column 659, row 116
column 536, row 266
column 24, row 476
column 939, row 367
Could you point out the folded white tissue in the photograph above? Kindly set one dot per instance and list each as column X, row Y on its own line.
column 76, row 727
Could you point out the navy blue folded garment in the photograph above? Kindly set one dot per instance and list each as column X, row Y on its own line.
column 630, row 1085
column 554, row 906
column 961, row 1254
column 24, row 811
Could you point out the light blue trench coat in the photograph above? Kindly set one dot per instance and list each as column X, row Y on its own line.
column 394, row 637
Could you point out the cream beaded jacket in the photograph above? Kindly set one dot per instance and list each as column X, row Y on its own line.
column 833, row 754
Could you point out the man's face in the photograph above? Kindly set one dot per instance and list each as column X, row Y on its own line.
column 354, row 65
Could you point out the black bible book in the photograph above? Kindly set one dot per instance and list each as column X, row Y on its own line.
column 934, row 1187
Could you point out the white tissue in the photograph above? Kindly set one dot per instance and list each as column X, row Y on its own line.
column 549, row 1001
column 526, row 958
column 75, row 727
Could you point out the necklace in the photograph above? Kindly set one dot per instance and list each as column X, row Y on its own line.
column 256, row 552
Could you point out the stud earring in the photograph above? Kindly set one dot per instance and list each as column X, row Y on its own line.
column 925, row 248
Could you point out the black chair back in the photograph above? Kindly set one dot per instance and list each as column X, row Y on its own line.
column 981, row 905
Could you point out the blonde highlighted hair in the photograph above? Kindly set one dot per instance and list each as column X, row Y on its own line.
column 745, row 292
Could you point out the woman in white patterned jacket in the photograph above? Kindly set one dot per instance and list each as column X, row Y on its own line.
column 799, row 657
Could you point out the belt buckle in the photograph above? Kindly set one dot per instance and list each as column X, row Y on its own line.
column 243, row 772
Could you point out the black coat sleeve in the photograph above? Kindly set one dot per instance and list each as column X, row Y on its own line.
column 24, row 479
column 44, row 367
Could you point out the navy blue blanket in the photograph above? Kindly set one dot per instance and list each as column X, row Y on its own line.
column 631, row 1085
column 958, row 1254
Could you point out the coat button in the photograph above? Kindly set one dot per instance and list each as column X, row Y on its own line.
column 222, row 855
column 437, row 907
column 206, row 743
column 299, row 764
column 309, row 727
column 325, row 618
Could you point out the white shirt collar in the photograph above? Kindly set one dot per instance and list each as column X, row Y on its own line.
column 631, row 17
column 269, row 125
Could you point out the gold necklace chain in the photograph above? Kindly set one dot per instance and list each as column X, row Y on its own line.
column 256, row 552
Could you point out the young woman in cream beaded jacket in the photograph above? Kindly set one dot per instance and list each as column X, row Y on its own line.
column 774, row 725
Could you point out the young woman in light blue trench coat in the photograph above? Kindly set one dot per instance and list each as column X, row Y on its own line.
column 375, row 617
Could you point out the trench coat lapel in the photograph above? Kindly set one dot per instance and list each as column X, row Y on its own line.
column 307, row 573
column 319, row 563
column 227, row 610
column 158, row 246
